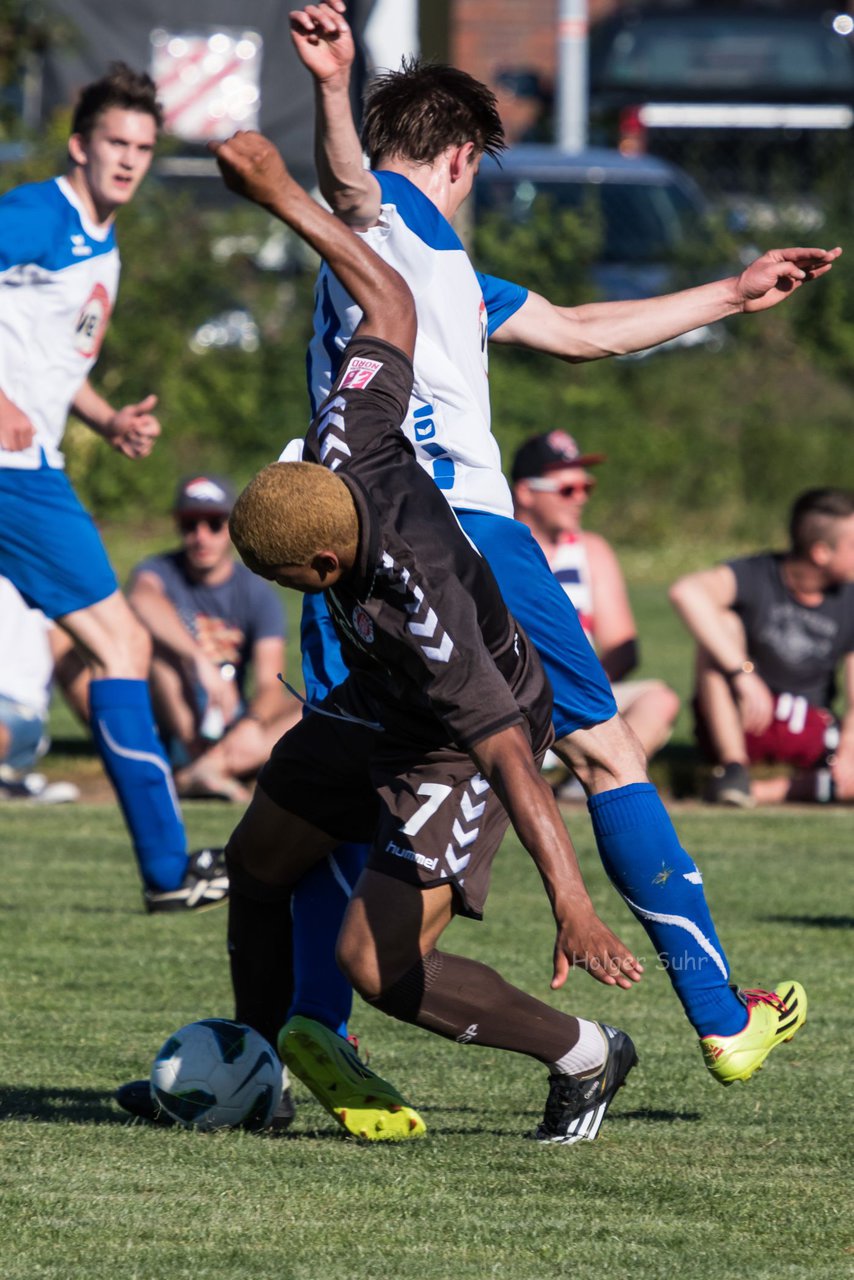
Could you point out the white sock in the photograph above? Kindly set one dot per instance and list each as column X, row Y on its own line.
column 587, row 1055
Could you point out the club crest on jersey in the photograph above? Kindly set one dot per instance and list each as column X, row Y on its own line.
column 360, row 371
column 363, row 624
column 92, row 323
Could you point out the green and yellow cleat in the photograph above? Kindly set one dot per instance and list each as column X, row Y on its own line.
column 773, row 1017
column 365, row 1105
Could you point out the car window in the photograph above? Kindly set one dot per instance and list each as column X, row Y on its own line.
column 641, row 222
column 723, row 55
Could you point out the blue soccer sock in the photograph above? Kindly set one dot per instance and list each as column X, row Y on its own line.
column 319, row 901
column 661, row 884
column 123, row 729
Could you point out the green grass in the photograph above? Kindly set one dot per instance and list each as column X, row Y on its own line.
column 686, row 1179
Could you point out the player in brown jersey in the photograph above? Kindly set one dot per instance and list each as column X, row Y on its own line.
column 434, row 735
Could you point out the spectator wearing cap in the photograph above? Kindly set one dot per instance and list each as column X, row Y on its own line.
column 212, row 623
column 551, row 487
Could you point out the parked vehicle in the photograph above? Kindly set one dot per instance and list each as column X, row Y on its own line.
column 750, row 99
column 651, row 214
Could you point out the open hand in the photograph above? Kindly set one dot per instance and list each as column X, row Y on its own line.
column 778, row 273
column 323, row 39
column 588, row 943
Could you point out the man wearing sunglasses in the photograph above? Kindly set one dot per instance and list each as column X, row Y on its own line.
column 211, row 623
column 551, row 486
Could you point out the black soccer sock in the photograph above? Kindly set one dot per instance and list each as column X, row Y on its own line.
column 468, row 1002
column 260, row 951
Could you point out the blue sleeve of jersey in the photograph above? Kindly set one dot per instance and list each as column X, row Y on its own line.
column 27, row 226
column 502, row 299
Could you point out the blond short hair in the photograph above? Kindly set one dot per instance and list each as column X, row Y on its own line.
column 290, row 512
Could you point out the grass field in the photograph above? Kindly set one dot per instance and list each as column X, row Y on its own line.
column 686, row 1179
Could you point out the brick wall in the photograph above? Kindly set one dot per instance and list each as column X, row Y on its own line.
column 487, row 34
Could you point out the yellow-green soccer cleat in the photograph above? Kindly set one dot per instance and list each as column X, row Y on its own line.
column 362, row 1103
column 772, row 1018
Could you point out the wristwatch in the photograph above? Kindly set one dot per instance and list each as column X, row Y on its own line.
column 746, row 669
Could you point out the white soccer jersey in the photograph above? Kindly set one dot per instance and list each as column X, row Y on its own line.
column 448, row 420
column 59, row 274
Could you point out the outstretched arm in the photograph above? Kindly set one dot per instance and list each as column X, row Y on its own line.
column 616, row 328
column 252, row 167
column 324, row 43
column 582, row 939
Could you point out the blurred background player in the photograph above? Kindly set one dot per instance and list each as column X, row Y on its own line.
column 26, row 674
column 772, row 630
column 215, row 627
column 59, row 272
column 551, row 488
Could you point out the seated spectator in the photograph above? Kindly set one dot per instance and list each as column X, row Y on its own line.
column 771, row 631
column 212, row 621
column 26, row 672
column 551, row 487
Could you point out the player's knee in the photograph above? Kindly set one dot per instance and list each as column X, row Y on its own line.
column 358, row 964
column 667, row 702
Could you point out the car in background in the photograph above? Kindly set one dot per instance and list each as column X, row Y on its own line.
column 751, row 100
column 651, row 215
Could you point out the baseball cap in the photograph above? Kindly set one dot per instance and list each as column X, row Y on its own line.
column 550, row 452
column 209, row 494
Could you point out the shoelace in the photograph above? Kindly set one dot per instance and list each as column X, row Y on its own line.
column 765, row 997
column 564, row 1091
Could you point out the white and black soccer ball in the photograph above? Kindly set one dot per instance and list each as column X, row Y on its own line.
column 216, row 1074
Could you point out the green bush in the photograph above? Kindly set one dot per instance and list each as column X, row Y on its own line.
column 701, row 445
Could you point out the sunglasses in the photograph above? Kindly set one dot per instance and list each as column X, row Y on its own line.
column 541, row 485
column 216, row 524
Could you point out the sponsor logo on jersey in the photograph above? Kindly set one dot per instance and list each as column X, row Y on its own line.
column 79, row 247
column 92, row 323
column 359, row 372
column 409, row 855
column 468, row 1035
column 364, row 624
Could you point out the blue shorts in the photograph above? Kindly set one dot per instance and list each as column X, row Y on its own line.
column 582, row 694
column 49, row 546
column 26, row 728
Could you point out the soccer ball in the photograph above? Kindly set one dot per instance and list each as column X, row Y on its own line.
column 217, row 1074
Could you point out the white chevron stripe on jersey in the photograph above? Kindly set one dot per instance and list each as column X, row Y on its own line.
column 479, row 784
column 443, row 652
column 456, row 864
column 333, row 452
column 463, row 837
column 425, row 628
column 414, row 603
column 471, row 811
column 333, row 447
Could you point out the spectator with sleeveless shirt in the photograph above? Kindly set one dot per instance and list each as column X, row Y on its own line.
column 551, row 488
column 772, row 630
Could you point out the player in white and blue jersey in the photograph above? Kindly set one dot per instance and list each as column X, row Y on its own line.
column 424, row 130
column 59, row 273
